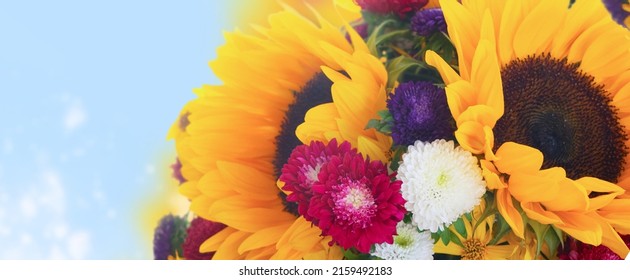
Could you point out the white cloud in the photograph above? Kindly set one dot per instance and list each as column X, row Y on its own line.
column 39, row 228
column 78, row 244
column 28, row 207
column 75, row 116
column 52, row 193
column 26, row 239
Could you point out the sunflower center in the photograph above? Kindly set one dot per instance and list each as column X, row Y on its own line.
column 553, row 106
column 315, row 92
column 473, row 250
column 354, row 204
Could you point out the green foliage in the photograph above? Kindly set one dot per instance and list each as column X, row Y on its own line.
column 353, row 254
column 398, row 66
column 384, row 124
column 397, row 153
column 180, row 227
column 460, row 227
column 546, row 234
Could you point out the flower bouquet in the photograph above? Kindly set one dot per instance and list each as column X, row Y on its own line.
column 483, row 129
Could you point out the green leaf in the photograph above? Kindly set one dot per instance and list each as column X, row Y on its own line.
column 460, row 227
column 540, row 231
column 553, row 242
column 445, row 235
column 397, row 66
column 456, row 240
column 373, row 123
column 384, row 114
column 372, row 40
column 504, row 228
column 352, row 254
column 397, row 157
column 560, row 235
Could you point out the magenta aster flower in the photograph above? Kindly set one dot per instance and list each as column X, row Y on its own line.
column 576, row 250
column 356, row 203
column 301, row 170
column 199, row 231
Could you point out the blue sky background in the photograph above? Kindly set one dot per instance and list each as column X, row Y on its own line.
column 88, row 90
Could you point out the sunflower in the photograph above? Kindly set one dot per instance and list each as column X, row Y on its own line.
column 358, row 93
column 475, row 239
column 542, row 93
column 233, row 139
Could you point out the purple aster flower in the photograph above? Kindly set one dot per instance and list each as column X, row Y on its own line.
column 420, row 112
column 169, row 236
column 615, row 8
column 426, row 22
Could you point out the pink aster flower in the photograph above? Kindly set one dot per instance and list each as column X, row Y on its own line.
column 301, row 170
column 198, row 232
column 576, row 250
column 356, row 203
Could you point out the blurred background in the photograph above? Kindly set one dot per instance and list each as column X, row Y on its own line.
column 88, row 91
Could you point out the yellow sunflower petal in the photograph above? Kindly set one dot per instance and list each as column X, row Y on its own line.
column 582, row 227
column 606, row 191
column 262, row 238
column 464, row 37
column 486, row 77
column 509, row 212
column 448, row 74
column 491, row 175
column 574, row 197
column 213, row 243
column 460, row 95
column 536, row 212
column 612, row 240
column 513, row 157
column 509, row 24
column 582, row 15
column 450, row 249
column 371, row 148
column 617, row 214
column 536, row 187
column 604, row 58
column 253, row 219
column 318, row 120
column 538, row 28
column 228, row 249
column 499, row 252
column 471, row 137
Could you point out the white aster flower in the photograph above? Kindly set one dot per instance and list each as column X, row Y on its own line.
column 409, row 244
column 440, row 183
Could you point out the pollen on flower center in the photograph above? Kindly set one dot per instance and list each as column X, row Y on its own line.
column 442, row 179
column 473, row 250
column 354, row 204
column 403, row 241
